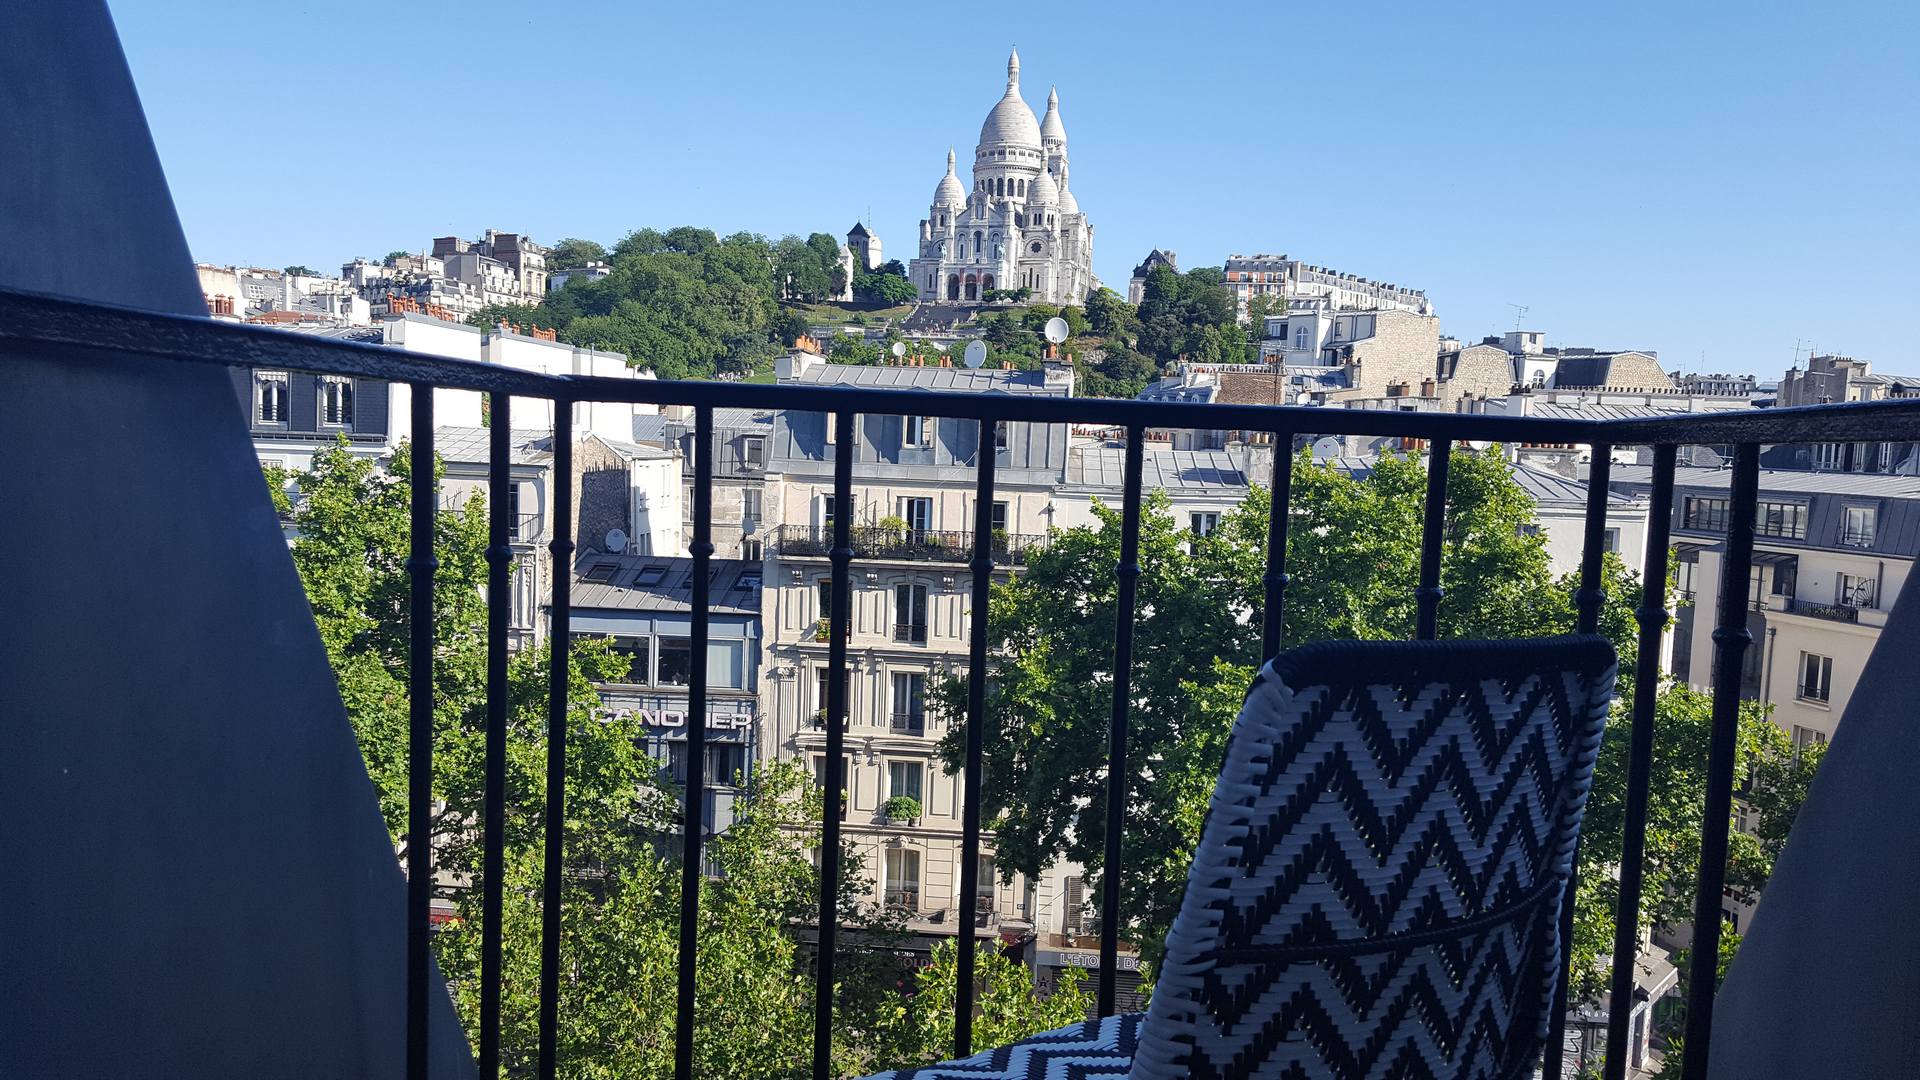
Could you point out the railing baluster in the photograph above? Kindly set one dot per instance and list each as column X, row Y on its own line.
column 1273, row 620
column 1127, row 577
column 1432, row 530
column 420, row 567
column 982, row 567
column 693, row 822
column 499, row 608
column 1652, row 616
column 559, row 641
column 839, row 619
column 1593, row 547
column 1587, row 600
column 1730, row 640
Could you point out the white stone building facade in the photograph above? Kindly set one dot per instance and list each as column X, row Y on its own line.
column 1020, row 225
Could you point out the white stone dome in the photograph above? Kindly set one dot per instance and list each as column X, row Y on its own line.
column 1052, row 130
column 1042, row 191
column 1068, row 204
column 1011, row 123
column 949, row 193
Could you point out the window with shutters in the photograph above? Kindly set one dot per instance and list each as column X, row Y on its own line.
column 336, row 401
column 270, row 399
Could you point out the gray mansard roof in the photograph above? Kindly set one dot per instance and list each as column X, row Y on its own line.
column 654, row 427
column 472, row 444
column 958, row 380
column 1181, row 472
column 735, row 585
column 1896, row 500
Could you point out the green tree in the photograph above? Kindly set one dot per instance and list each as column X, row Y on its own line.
column 890, row 288
column 620, row 907
column 681, row 303
column 1189, row 315
column 279, row 482
column 301, row 270
column 1261, row 305
column 1354, row 544
column 1110, row 316
column 918, row 1027
column 394, row 256
column 572, row 252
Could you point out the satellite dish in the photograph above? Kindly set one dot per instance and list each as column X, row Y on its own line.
column 1478, row 444
column 899, row 349
column 1326, row 449
column 976, row 353
column 1707, row 458
column 1303, row 398
column 1056, row 330
column 616, row 541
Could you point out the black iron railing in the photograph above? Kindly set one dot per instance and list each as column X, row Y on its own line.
column 911, row 633
column 1830, row 612
column 54, row 324
column 908, row 723
column 909, row 545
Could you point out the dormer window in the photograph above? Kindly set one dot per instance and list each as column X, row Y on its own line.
column 336, row 401
column 270, row 398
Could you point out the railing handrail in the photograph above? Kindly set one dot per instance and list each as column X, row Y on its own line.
column 53, row 320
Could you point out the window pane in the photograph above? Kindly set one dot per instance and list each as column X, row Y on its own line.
column 676, row 661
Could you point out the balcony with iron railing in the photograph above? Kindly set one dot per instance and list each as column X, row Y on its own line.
column 907, row 723
column 86, row 332
column 1844, row 613
column 902, row 545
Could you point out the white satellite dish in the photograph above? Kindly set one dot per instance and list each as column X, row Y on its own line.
column 1326, row 449
column 1303, row 398
column 1056, row 330
column 976, row 353
column 899, row 349
column 616, row 541
column 1478, row 444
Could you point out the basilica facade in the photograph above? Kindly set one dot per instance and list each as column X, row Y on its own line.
column 1019, row 225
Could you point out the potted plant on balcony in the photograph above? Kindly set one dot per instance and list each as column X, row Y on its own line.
column 822, row 629
column 903, row 808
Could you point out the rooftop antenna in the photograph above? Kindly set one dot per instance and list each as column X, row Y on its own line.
column 1519, row 314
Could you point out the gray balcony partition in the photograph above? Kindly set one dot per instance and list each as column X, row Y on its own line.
column 198, row 881
column 1825, row 983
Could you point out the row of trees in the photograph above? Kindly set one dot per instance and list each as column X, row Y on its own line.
column 621, row 889
column 685, row 302
column 1355, row 547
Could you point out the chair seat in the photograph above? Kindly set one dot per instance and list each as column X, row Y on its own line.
column 1093, row 1050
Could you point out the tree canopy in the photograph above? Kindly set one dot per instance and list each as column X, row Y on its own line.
column 620, row 908
column 1353, row 552
column 572, row 252
column 884, row 287
column 682, row 303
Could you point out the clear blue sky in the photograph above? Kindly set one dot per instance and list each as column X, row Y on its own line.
column 1717, row 179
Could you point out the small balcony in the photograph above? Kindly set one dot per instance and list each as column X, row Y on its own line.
column 1846, row 613
column 911, row 633
column 908, row 545
column 907, row 723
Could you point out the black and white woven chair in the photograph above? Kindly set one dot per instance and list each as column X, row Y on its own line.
column 1377, row 888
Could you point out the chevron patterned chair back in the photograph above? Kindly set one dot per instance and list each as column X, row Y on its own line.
column 1377, row 887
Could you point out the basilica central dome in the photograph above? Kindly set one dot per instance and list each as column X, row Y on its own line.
column 1011, row 123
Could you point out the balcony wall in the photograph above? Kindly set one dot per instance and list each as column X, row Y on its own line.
column 199, row 881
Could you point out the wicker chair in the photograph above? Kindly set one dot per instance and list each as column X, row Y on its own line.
column 1377, row 888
